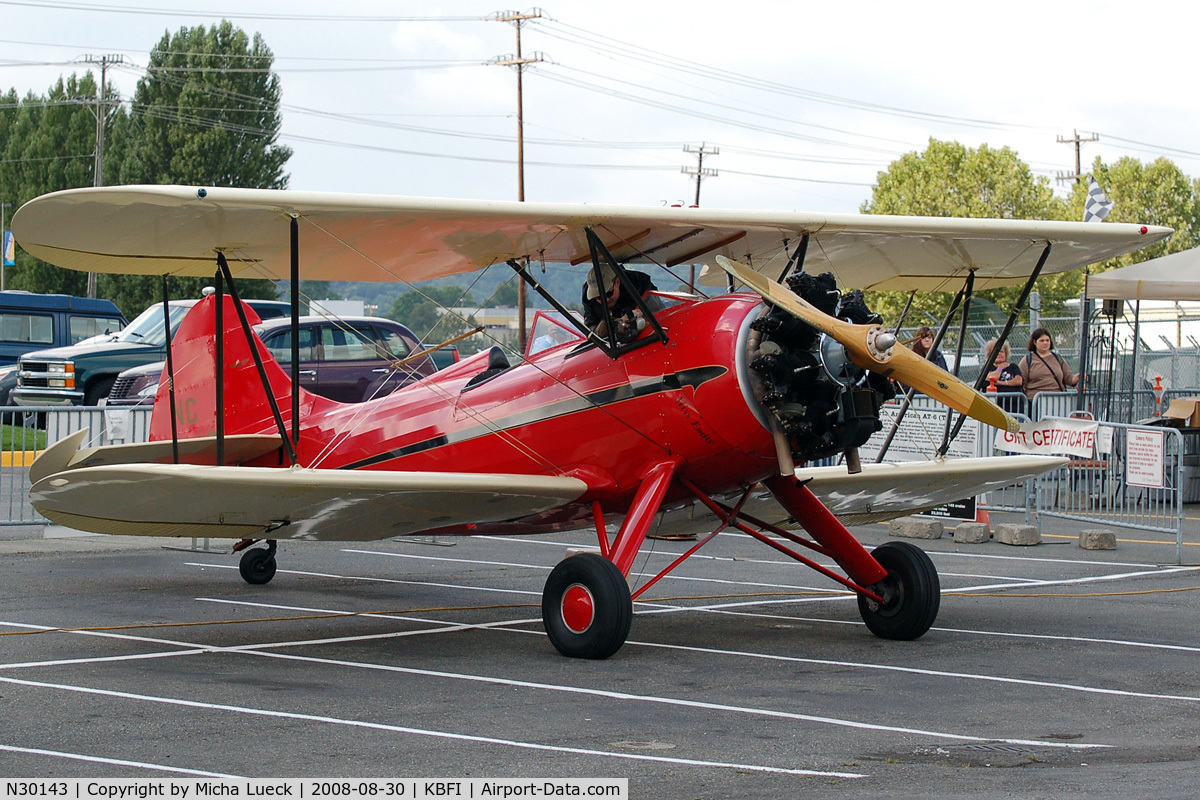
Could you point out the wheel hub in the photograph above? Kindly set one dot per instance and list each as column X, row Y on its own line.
column 578, row 608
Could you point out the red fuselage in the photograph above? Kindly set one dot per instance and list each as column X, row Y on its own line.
column 567, row 411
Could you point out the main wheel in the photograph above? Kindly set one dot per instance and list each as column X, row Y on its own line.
column 586, row 607
column 911, row 591
column 257, row 566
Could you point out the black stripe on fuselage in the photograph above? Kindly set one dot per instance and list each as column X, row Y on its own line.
column 677, row 380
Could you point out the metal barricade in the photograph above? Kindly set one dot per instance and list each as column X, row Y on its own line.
column 29, row 430
column 1136, row 479
column 1138, row 404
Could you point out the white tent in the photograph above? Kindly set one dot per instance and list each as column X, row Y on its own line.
column 1173, row 277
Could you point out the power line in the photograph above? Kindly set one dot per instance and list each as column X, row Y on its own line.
column 240, row 14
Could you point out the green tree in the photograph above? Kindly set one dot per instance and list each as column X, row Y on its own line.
column 505, row 296
column 48, row 143
column 1158, row 193
column 206, row 114
column 949, row 179
column 422, row 311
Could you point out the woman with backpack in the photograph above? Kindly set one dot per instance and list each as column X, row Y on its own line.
column 1043, row 369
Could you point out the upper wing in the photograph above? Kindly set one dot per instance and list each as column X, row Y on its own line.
column 177, row 230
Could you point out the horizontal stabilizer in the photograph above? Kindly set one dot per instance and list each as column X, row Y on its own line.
column 66, row 454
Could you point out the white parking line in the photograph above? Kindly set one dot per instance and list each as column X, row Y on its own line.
column 262, row 648
column 262, row 712
column 113, row 762
column 785, row 562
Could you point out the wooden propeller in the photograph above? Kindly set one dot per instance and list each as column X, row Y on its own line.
column 873, row 348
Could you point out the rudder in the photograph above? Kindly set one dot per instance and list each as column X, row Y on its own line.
column 193, row 353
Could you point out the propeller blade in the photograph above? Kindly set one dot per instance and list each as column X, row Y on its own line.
column 873, row 348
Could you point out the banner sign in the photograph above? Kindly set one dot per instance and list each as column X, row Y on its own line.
column 10, row 252
column 1057, row 436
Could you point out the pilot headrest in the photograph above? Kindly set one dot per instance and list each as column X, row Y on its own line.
column 607, row 274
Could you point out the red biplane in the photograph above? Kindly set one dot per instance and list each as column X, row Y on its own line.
column 709, row 398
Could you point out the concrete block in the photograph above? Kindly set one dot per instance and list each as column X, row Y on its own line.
column 575, row 551
column 1020, row 535
column 1097, row 539
column 910, row 528
column 971, row 533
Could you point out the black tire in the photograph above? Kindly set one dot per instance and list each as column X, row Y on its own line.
column 586, row 607
column 912, row 591
column 257, row 566
column 97, row 390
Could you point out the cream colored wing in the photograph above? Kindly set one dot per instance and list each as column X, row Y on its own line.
column 177, row 230
column 319, row 504
column 887, row 491
column 884, row 491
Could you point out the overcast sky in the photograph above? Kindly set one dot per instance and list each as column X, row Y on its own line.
column 805, row 101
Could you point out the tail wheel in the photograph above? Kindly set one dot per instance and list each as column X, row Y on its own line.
column 586, row 607
column 257, row 565
column 911, row 591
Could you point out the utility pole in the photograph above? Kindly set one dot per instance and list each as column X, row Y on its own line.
column 101, row 116
column 519, row 62
column 700, row 172
column 1063, row 177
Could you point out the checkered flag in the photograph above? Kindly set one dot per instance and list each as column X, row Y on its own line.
column 1098, row 205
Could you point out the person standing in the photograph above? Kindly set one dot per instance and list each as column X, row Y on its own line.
column 924, row 343
column 1043, row 369
column 1007, row 378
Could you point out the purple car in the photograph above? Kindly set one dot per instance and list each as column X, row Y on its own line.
column 348, row 359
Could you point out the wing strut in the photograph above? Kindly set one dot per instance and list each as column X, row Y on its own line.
column 908, row 395
column 968, row 295
column 170, row 372
column 295, row 292
column 258, row 363
column 1016, row 310
column 796, row 262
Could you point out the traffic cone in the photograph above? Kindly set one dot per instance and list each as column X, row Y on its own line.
column 981, row 515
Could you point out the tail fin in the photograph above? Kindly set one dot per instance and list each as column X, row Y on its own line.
column 193, row 354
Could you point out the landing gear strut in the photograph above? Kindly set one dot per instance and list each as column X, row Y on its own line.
column 586, row 607
column 258, row 564
column 911, row 592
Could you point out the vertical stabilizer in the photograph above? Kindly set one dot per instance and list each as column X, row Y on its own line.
column 193, row 351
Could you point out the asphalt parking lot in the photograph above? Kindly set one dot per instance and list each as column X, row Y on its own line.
column 1051, row 671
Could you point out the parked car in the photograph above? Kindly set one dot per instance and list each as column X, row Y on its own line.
column 348, row 359
column 30, row 322
column 83, row 374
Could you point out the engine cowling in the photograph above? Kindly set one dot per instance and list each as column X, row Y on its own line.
column 824, row 403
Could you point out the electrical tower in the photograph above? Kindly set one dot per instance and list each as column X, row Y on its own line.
column 1063, row 177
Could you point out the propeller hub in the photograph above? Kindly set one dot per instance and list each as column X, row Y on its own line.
column 880, row 342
